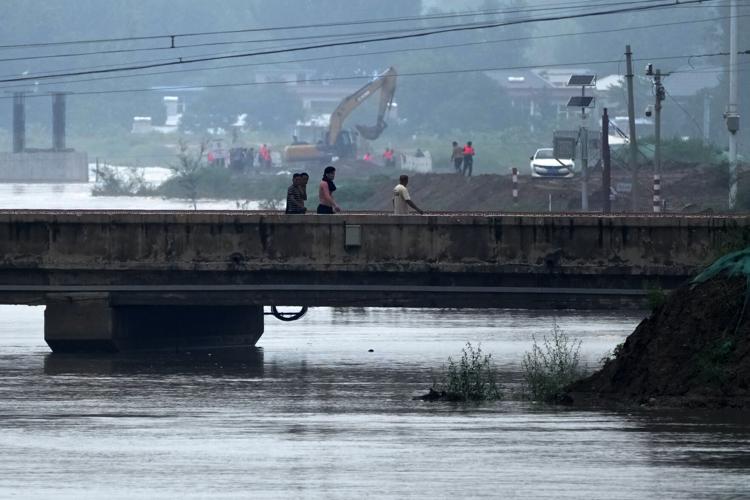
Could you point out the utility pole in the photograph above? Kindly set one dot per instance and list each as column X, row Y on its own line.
column 631, row 123
column 606, row 177
column 659, row 95
column 584, row 157
column 706, row 118
column 583, row 102
column 732, row 116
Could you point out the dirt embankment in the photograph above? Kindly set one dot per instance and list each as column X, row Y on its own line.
column 693, row 351
column 687, row 189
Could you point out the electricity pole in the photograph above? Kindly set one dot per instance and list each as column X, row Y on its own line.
column 631, row 123
column 606, row 175
column 732, row 116
column 659, row 95
column 584, row 157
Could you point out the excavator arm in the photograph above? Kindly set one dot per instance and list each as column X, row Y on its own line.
column 386, row 83
column 339, row 142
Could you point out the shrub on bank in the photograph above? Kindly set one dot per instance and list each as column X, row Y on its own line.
column 114, row 182
column 471, row 378
column 551, row 366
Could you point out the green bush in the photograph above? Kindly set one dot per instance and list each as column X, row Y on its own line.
column 472, row 378
column 112, row 182
column 692, row 150
column 656, row 296
column 712, row 362
column 551, row 367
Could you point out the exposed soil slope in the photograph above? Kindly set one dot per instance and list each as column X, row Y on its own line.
column 693, row 351
column 686, row 189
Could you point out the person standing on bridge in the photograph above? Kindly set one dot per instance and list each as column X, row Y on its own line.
column 401, row 199
column 295, row 204
column 468, row 159
column 457, row 156
column 304, row 178
column 325, row 192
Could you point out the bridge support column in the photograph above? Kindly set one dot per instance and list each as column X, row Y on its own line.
column 89, row 322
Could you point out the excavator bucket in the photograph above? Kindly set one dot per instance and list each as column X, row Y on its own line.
column 371, row 132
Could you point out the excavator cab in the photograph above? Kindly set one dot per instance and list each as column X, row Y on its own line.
column 345, row 145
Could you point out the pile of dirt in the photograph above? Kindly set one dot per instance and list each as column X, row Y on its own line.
column 690, row 188
column 693, row 351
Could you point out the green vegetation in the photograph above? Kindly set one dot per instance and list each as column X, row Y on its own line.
column 111, row 182
column 712, row 362
column 675, row 151
column 733, row 264
column 472, row 378
column 611, row 355
column 551, row 367
column 656, row 296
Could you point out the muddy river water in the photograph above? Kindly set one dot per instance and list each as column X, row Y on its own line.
column 312, row 413
column 323, row 409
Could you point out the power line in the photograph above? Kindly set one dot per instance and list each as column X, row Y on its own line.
column 460, row 14
column 173, row 47
column 380, row 39
column 349, row 78
column 392, row 51
column 695, row 122
column 431, row 48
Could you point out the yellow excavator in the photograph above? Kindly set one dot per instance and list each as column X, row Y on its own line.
column 338, row 142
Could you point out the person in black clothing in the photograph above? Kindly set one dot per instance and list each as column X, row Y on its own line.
column 325, row 192
column 294, row 202
column 304, row 178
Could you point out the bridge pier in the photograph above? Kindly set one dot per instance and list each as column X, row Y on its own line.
column 89, row 322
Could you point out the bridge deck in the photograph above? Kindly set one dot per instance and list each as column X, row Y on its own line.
column 357, row 259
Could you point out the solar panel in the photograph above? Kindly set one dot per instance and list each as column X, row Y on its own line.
column 580, row 101
column 581, row 80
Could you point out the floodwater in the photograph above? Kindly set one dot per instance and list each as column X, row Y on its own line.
column 323, row 408
column 312, row 413
column 73, row 196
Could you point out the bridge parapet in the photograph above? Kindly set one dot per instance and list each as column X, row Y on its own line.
column 119, row 279
column 248, row 242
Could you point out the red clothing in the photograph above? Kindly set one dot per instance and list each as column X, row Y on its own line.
column 468, row 151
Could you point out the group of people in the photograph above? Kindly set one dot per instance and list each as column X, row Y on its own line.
column 463, row 158
column 243, row 159
column 296, row 195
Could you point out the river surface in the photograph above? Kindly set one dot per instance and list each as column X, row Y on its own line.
column 323, row 408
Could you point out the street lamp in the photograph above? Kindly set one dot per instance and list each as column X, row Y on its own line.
column 583, row 101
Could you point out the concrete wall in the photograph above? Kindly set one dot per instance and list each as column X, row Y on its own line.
column 251, row 253
column 44, row 166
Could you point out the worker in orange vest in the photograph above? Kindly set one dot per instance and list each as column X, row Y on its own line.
column 468, row 158
column 388, row 158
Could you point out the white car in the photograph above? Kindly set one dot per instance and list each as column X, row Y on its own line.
column 544, row 164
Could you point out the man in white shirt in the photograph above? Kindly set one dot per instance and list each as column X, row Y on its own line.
column 401, row 199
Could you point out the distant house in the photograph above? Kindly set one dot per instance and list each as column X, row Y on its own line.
column 683, row 85
column 174, row 110
column 543, row 92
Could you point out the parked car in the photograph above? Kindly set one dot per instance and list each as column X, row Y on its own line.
column 544, row 164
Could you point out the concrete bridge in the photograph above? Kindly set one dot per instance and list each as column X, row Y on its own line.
column 135, row 279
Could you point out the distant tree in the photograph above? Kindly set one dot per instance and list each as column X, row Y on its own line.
column 469, row 101
column 188, row 171
column 275, row 107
